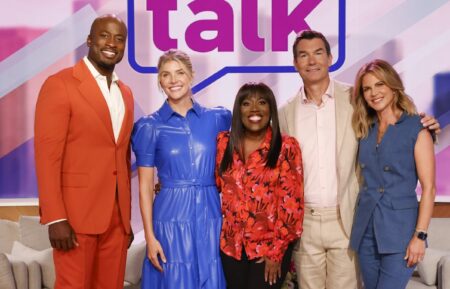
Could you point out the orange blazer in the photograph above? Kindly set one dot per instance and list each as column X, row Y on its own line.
column 79, row 165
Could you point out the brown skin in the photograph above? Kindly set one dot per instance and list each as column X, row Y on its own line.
column 62, row 237
column 106, row 43
column 255, row 117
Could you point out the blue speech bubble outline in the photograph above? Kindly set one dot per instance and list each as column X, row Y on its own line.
column 234, row 69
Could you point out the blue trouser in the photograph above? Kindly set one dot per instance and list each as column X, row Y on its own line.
column 381, row 271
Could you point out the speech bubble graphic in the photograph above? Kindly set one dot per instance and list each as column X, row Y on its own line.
column 281, row 27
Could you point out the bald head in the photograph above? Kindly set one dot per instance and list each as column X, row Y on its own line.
column 106, row 42
column 107, row 18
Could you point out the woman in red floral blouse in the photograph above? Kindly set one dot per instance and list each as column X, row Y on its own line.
column 259, row 173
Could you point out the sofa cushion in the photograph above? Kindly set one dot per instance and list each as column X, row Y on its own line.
column 20, row 271
column 34, row 276
column 128, row 285
column 6, row 273
column 444, row 272
column 416, row 283
column 438, row 234
column 135, row 259
column 10, row 233
column 428, row 267
column 33, row 234
column 44, row 258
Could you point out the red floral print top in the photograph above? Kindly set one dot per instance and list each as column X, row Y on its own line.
column 262, row 207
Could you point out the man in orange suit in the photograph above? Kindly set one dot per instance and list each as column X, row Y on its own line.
column 84, row 118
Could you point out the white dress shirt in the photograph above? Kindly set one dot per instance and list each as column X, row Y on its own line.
column 317, row 135
column 112, row 95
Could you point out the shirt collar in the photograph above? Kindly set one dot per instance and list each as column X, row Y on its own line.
column 267, row 139
column 167, row 112
column 264, row 146
column 401, row 119
column 95, row 72
column 329, row 93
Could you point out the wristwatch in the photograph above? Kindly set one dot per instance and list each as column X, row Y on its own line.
column 421, row 235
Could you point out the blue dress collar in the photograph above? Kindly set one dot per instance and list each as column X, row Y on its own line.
column 167, row 112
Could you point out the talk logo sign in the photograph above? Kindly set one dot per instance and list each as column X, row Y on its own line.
column 235, row 36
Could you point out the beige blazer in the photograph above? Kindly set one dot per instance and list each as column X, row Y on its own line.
column 347, row 147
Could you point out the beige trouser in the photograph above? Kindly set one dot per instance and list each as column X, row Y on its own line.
column 323, row 259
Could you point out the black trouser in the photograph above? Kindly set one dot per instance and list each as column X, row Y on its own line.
column 247, row 274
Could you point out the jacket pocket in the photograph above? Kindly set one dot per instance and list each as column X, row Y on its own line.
column 408, row 202
column 75, row 180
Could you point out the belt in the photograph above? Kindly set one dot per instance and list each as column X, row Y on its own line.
column 174, row 183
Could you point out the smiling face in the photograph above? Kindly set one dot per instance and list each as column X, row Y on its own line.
column 376, row 93
column 255, row 114
column 106, row 43
column 175, row 80
column 312, row 61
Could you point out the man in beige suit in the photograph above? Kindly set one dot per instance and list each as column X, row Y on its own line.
column 319, row 116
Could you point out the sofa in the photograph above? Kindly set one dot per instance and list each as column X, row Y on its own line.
column 26, row 259
column 434, row 271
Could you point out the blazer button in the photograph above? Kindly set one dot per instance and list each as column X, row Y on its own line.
column 387, row 168
column 362, row 166
column 381, row 190
column 115, row 173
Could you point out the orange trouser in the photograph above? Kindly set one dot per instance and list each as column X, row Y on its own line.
column 97, row 263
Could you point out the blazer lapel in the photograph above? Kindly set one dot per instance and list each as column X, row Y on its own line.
column 291, row 116
column 128, row 117
column 343, row 113
column 93, row 95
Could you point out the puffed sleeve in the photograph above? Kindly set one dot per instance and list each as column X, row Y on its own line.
column 143, row 141
column 223, row 118
column 289, row 223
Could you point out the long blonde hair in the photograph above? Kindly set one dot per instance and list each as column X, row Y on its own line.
column 364, row 116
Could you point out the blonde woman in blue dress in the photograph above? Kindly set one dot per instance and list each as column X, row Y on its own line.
column 183, row 221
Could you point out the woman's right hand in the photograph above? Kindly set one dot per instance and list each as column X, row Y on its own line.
column 272, row 270
column 154, row 250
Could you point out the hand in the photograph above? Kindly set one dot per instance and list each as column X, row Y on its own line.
column 153, row 250
column 415, row 251
column 272, row 270
column 131, row 238
column 62, row 237
column 430, row 123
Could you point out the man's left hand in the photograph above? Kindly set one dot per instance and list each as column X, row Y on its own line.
column 430, row 123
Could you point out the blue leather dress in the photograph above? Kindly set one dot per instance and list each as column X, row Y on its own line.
column 186, row 213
